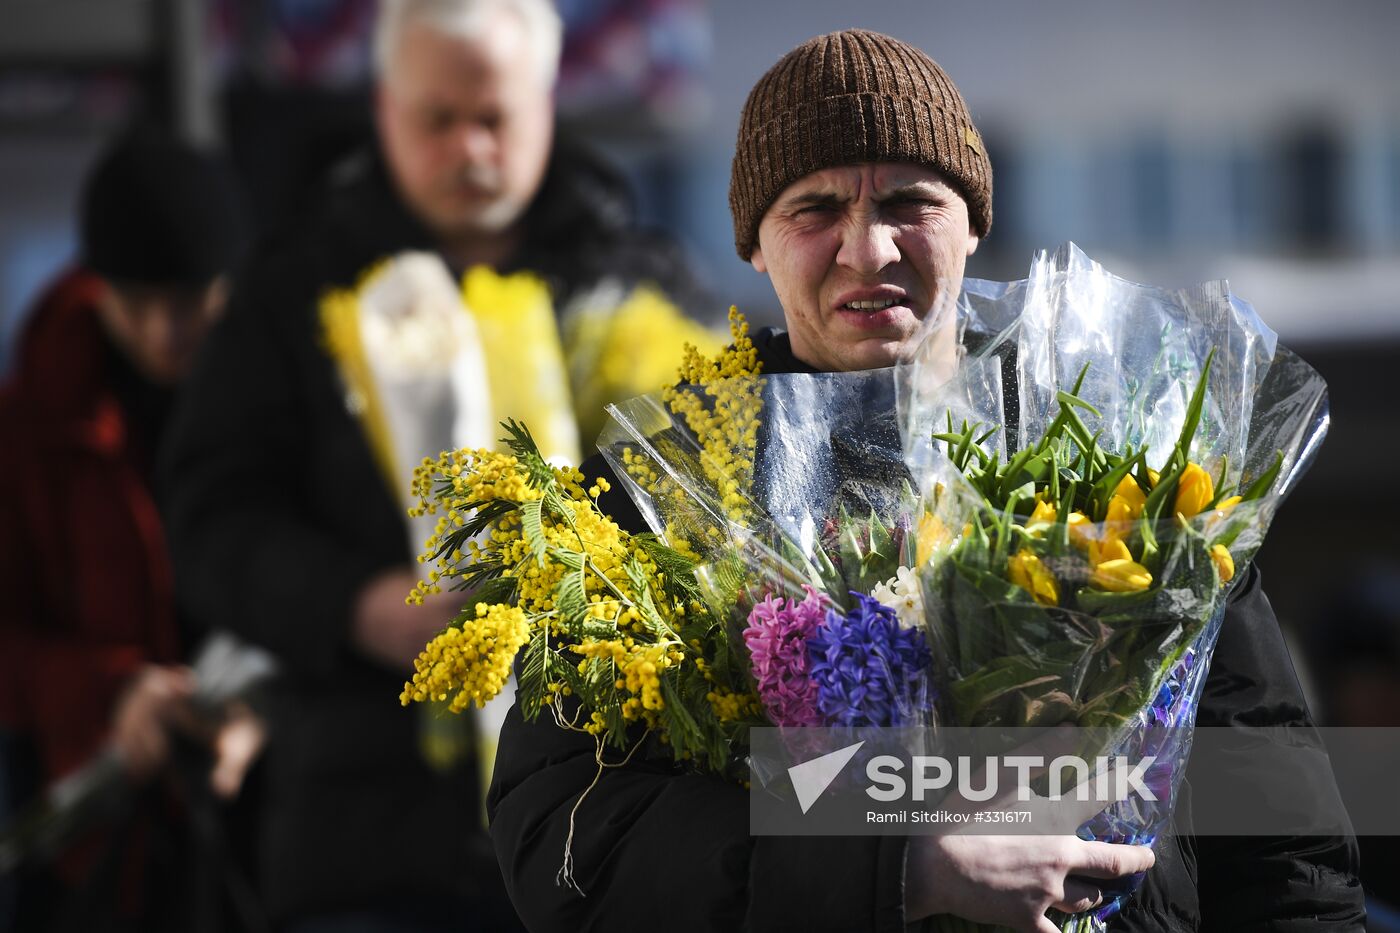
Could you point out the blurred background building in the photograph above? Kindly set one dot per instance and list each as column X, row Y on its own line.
column 1256, row 140
column 1259, row 140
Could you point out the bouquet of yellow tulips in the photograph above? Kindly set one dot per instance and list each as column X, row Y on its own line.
column 1081, row 575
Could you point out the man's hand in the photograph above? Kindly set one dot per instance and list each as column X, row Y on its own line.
column 392, row 632
column 236, row 744
column 155, row 699
column 1012, row 880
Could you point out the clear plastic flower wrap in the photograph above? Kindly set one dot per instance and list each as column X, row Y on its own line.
column 1109, row 459
column 792, row 493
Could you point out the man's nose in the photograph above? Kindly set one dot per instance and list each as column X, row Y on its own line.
column 477, row 142
column 866, row 248
column 159, row 327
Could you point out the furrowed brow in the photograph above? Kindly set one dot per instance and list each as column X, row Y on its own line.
column 915, row 191
column 814, row 198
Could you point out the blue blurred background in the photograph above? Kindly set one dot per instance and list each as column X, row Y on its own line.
column 1255, row 140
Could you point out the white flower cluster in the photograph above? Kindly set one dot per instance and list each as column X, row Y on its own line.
column 902, row 594
column 413, row 322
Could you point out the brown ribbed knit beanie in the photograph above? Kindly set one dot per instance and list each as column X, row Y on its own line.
column 848, row 97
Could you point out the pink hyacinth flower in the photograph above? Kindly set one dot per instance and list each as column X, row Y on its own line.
column 776, row 636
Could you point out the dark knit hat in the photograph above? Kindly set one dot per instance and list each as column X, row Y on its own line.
column 159, row 211
column 849, row 97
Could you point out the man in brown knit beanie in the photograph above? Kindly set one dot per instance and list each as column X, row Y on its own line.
column 860, row 186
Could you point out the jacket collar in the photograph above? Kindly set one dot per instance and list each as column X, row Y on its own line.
column 62, row 378
column 774, row 348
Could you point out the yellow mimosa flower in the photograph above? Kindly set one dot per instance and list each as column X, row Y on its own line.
column 1194, row 491
column 1223, row 562
column 727, row 427
column 1026, row 571
column 470, row 664
column 1121, row 576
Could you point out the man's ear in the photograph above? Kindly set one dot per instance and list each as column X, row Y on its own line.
column 972, row 240
column 756, row 260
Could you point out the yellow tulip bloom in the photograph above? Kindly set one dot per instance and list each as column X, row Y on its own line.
column 1225, row 505
column 1118, row 523
column 1121, row 576
column 1194, row 491
column 1081, row 530
column 1223, row 508
column 1223, row 562
column 1026, row 571
column 1042, row 517
column 1131, row 494
column 1044, row 512
column 1111, row 548
column 1124, row 507
column 930, row 535
column 1152, row 477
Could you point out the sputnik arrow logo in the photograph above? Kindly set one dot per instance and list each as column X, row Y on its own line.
column 811, row 778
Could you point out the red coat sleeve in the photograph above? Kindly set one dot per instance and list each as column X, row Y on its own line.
column 58, row 685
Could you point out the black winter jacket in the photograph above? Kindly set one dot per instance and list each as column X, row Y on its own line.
column 651, row 842
column 278, row 516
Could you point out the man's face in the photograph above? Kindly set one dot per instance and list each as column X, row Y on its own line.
column 159, row 328
column 859, row 255
column 466, row 125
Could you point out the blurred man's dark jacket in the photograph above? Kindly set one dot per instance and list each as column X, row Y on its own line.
column 773, row 883
column 279, row 515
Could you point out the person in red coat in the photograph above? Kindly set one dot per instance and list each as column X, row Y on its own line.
column 90, row 645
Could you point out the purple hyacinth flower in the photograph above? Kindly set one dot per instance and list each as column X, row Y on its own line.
column 868, row 670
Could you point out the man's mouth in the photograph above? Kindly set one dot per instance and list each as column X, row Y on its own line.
column 470, row 192
column 878, row 305
column 874, row 308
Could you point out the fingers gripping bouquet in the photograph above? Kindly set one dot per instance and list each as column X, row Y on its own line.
column 1106, row 467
